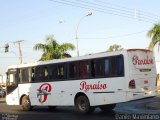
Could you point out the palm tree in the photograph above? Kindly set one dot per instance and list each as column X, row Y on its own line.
column 52, row 50
column 154, row 34
column 114, row 47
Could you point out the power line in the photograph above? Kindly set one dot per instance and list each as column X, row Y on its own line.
column 124, row 35
column 81, row 5
column 125, row 9
column 108, row 10
column 129, row 9
column 120, row 10
column 89, row 7
column 7, row 57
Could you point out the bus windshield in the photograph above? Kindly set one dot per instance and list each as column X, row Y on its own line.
column 12, row 77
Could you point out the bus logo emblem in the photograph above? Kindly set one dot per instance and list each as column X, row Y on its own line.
column 43, row 92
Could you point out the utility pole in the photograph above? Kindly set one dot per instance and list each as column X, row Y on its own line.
column 19, row 49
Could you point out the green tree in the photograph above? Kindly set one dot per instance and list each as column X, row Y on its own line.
column 114, row 47
column 53, row 50
column 154, row 34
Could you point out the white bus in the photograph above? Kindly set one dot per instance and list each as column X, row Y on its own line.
column 86, row 82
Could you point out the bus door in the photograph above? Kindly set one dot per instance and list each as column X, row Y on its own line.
column 142, row 71
column 12, row 86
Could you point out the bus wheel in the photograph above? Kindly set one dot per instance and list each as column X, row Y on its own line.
column 82, row 105
column 107, row 108
column 26, row 104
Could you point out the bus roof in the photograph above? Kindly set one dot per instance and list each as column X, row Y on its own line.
column 89, row 56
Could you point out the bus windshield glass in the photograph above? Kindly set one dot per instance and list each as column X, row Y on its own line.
column 12, row 77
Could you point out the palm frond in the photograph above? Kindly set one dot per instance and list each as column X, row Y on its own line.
column 52, row 50
column 40, row 46
column 67, row 46
column 154, row 34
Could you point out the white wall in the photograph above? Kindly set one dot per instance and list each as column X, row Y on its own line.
column 2, row 78
column 158, row 67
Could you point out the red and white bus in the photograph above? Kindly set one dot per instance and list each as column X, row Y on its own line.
column 86, row 82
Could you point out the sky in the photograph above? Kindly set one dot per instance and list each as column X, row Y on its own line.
column 122, row 22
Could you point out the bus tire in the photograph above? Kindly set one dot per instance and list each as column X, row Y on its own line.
column 26, row 104
column 107, row 108
column 82, row 105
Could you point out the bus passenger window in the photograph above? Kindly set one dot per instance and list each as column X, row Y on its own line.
column 84, row 69
column 113, row 66
column 39, row 74
column 61, row 71
column 106, row 69
column 99, row 67
column 93, row 68
column 116, row 66
column 24, row 75
column 120, row 66
column 33, row 74
column 45, row 72
column 52, row 72
column 73, row 70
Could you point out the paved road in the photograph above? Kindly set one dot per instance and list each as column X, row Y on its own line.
column 139, row 106
column 69, row 113
column 43, row 113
